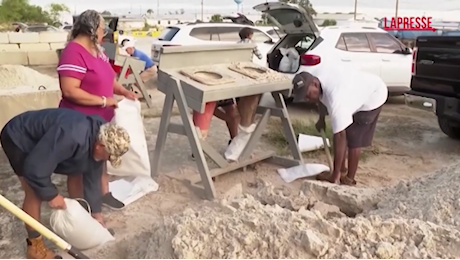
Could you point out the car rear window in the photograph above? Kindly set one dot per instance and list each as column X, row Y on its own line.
column 168, row 34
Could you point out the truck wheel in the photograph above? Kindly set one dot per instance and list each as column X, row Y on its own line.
column 449, row 127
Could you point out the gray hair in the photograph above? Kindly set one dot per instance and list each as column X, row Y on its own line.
column 87, row 24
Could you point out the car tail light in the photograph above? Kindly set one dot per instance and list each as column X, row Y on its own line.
column 309, row 60
column 170, row 45
column 414, row 60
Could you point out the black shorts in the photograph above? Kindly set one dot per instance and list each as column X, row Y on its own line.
column 226, row 102
column 15, row 156
column 361, row 132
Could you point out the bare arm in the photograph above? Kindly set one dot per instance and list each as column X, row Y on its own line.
column 71, row 90
column 118, row 89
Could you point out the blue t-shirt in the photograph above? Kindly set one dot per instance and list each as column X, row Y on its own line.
column 143, row 57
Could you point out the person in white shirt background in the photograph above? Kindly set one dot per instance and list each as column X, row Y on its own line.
column 353, row 99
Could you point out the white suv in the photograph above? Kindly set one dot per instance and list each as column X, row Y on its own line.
column 210, row 33
column 366, row 48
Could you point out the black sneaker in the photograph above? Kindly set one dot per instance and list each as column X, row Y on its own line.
column 111, row 202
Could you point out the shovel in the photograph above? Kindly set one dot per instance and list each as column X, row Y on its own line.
column 326, row 149
column 44, row 231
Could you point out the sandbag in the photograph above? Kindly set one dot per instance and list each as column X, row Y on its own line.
column 136, row 161
column 76, row 226
column 294, row 59
column 239, row 142
column 285, row 63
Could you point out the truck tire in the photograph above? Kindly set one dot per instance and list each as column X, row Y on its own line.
column 449, row 127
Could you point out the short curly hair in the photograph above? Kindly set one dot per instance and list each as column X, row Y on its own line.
column 87, row 24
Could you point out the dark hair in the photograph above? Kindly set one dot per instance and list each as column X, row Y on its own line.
column 245, row 33
column 87, row 24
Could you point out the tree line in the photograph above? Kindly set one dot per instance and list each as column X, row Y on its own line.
column 22, row 11
column 305, row 4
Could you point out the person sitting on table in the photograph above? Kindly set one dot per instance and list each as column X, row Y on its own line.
column 63, row 141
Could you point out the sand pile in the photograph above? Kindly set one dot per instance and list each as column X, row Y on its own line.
column 245, row 228
column 17, row 76
column 435, row 199
column 258, row 227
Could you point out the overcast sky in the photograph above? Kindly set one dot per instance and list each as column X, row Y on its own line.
column 214, row 5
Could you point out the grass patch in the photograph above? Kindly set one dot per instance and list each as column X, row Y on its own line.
column 275, row 134
column 275, row 137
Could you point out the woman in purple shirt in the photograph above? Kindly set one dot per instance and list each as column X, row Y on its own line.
column 88, row 84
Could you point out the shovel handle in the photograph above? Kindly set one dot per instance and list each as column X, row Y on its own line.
column 326, row 149
column 40, row 228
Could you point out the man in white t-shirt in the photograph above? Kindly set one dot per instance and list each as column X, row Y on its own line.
column 353, row 99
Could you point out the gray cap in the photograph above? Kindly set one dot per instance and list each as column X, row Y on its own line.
column 301, row 83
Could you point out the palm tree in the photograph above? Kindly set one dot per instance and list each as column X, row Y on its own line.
column 149, row 12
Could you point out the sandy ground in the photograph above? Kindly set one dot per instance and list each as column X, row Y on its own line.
column 408, row 144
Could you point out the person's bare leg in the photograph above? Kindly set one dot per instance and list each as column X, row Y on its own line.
column 105, row 181
column 75, row 186
column 344, row 168
column 247, row 107
column 353, row 160
column 233, row 120
column 220, row 114
column 36, row 248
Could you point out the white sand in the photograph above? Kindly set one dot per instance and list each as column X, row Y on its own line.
column 18, row 76
column 417, row 220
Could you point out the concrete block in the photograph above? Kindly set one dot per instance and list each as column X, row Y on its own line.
column 49, row 37
column 34, row 46
column 42, row 58
column 14, row 57
column 17, row 101
column 57, row 45
column 4, row 38
column 31, row 37
column 9, row 47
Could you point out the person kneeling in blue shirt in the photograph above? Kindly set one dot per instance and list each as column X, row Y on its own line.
column 150, row 69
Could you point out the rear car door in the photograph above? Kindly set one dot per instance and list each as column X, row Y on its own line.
column 395, row 68
column 354, row 50
column 289, row 18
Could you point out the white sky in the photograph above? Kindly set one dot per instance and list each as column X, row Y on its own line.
column 211, row 6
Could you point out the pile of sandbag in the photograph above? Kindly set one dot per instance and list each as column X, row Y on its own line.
column 290, row 61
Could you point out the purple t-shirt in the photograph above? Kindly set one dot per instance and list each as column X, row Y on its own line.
column 96, row 75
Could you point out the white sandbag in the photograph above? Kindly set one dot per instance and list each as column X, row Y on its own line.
column 239, row 142
column 308, row 143
column 294, row 59
column 136, row 161
column 302, row 171
column 76, row 226
column 130, row 191
column 285, row 63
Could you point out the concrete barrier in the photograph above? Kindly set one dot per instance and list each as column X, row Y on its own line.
column 31, row 48
column 14, row 57
column 17, row 101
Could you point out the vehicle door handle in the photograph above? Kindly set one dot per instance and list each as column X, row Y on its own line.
column 346, row 60
column 385, row 60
